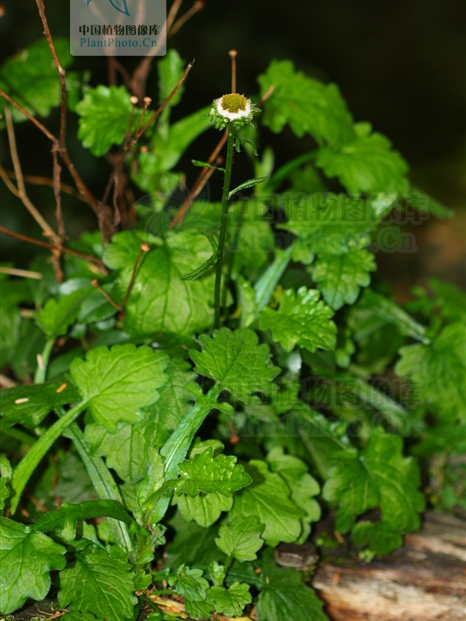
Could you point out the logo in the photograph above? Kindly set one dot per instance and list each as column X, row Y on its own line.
column 120, row 5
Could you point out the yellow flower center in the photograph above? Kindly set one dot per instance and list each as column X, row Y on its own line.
column 234, row 103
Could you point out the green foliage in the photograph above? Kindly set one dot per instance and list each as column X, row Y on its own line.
column 365, row 164
column 307, row 105
column 117, row 382
column 105, row 119
column 438, row 371
column 285, row 596
column 241, row 538
column 236, row 361
column 100, row 581
column 209, row 474
column 340, row 277
column 30, row 77
column 26, row 559
column 215, row 404
column 378, row 477
column 302, row 320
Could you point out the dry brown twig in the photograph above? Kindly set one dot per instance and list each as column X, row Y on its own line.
column 197, row 6
column 75, row 253
column 37, row 180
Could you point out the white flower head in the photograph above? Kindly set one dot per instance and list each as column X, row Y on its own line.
column 233, row 108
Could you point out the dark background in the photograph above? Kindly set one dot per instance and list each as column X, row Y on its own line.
column 399, row 65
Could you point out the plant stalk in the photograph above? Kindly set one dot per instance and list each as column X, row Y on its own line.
column 223, row 228
column 41, row 371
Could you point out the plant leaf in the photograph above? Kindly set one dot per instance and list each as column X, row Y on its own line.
column 30, row 77
column 204, row 509
column 308, row 106
column 206, row 473
column 161, row 303
column 56, row 316
column 105, row 114
column 206, row 165
column 231, row 601
column 389, row 311
column 438, row 371
column 236, row 361
column 101, row 582
column 365, row 164
column 29, row 405
column 88, row 509
column 285, row 596
column 340, row 277
column 302, row 319
column 379, row 476
column 248, row 184
column 268, row 499
column 241, row 538
column 328, row 223
column 26, row 559
column 190, row 583
column 117, row 382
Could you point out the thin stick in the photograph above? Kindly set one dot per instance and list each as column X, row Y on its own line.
column 36, row 242
column 95, row 283
column 13, row 271
column 144, row 248
column 199, row 183
column 60, row 70
column 137, row 83
column 64, row 154
column 202, row 179
column 175, row 7
column 57, row 193
column 37, row 123
column 21, row 194
column 197, row 6
column 233, row 54
column 36, row 180
column 223, row 230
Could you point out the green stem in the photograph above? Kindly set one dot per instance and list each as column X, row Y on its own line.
column 30, row 461
column 41, row 373
column 177, row 446
column 103, row 482
column 223, row 228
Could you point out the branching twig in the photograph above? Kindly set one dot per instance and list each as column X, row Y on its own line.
column 20, row 191
column 197, row 6
column 75, row 253
column 27, row 114
column 139, row 132
column 90, row 199
column 36, row 180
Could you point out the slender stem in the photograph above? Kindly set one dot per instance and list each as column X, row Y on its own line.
column 199, row 183
column 102, row 479
column 30, row 461
column 223, row 228
column 41, row 370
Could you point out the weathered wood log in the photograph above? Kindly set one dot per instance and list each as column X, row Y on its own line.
column 423, row 581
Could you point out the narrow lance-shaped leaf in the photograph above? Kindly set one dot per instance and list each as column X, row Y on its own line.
column 248, row 184
column 201, row 164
